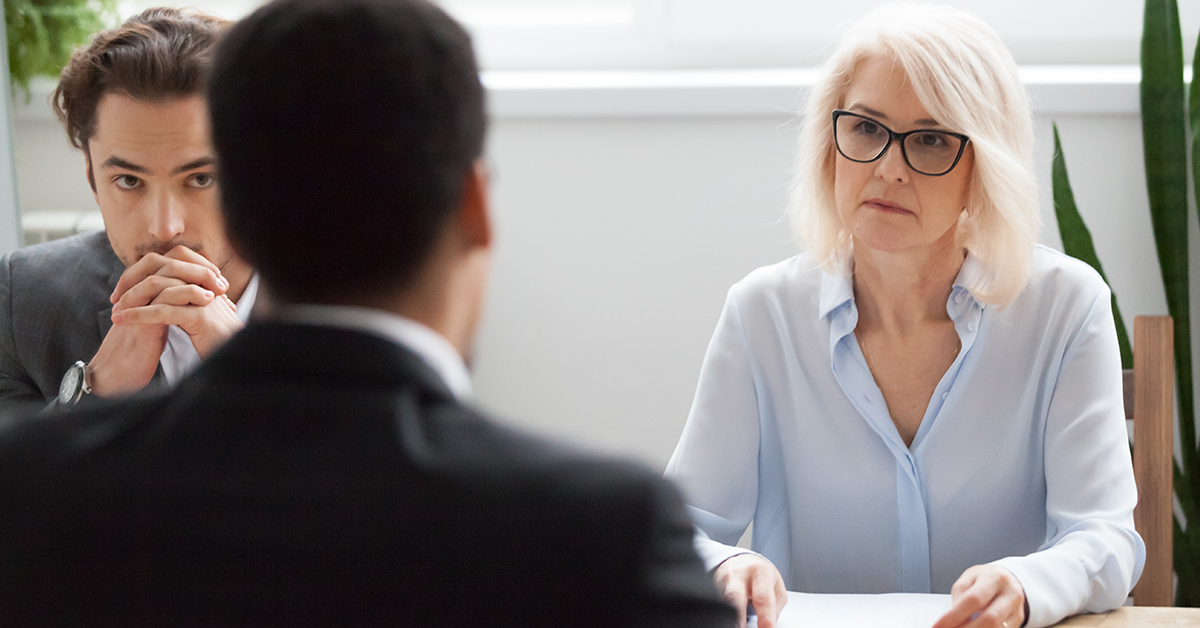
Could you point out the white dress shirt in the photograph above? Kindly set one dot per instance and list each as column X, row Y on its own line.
column 179, row 356
column 1021, row 458
column 431, row 346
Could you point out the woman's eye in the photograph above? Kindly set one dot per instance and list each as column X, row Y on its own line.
column 930, row 140
column 128, row 182
column 866, row 127
column 202, row 180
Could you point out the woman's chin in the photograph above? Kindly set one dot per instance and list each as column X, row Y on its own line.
column 885, row 243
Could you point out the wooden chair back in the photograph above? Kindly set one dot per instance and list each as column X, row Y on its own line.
column 1150, row 404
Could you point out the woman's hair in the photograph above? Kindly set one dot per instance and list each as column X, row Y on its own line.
column 966, row 79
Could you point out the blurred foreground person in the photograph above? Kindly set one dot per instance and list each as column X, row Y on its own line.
column 324, row 466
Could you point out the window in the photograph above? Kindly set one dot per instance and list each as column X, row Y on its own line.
column 714, row 34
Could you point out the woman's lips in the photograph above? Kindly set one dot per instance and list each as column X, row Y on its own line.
column 885, row 206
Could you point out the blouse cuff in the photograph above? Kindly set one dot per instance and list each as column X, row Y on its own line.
column 714, row 553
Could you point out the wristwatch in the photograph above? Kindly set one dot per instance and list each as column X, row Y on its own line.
column 74, row 385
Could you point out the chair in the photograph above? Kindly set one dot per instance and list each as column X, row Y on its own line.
column 1150, row 404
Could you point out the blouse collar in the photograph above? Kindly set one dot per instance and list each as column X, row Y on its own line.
column 837, row 292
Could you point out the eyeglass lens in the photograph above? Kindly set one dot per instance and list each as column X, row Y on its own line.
column 927, row 152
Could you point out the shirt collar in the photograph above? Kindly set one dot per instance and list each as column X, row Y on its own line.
column 246, row 302
column 971, row 273
column 437, row 352
column 838, row 290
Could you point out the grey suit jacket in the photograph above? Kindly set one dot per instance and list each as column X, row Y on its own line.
column 54, row 310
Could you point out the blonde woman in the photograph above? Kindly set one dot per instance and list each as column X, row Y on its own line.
column 926, row 401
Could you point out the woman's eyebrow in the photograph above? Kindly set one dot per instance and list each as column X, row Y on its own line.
column 879, row 114
column 869, row 111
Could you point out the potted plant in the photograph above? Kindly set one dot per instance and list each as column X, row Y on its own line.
column 1166, row 117
column 43, row 33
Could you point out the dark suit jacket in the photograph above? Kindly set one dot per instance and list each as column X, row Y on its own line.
column 318, row 476
column 54, row 310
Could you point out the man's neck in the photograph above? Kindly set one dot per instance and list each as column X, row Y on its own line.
column 445, row 294
column 428, row 343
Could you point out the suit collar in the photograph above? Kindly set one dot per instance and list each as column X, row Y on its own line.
column 322, row 356
column 104, row 316
column 433, row 348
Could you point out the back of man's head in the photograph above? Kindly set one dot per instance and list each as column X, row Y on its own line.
column 344, row 131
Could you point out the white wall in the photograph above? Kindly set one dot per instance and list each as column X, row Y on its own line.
column 619, row 233
column 10, row 219
column 617, row 241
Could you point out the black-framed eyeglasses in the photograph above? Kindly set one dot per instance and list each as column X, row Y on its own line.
column 929, row 152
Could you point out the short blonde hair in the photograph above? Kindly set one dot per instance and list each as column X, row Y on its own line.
column 967, row 79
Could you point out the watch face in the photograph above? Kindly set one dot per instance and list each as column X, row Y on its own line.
column 72, row 383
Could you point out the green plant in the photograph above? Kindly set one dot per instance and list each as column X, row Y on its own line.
column 43, row 33
column 1077, row 240
column 1165, row 138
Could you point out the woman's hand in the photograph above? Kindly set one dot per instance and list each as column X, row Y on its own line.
column 985, row 596
column 753, row 579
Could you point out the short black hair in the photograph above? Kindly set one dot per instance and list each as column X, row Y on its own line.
column 344, row 132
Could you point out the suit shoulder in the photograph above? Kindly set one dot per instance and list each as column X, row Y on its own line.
column 476, row 441
column 46, row 444
column 87, row 245
column 81, row 259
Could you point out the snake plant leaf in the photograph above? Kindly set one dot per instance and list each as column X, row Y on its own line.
column 1077, row 240
column 1194, row 118
column 1184, row 482
column 1185, row 569
column 1164, row 138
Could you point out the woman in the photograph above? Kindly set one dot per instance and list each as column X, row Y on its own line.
column 926, row 401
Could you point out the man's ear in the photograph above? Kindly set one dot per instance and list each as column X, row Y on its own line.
column 475, row 214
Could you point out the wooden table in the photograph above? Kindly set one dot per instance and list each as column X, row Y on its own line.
column 1137, row 617
column 909, row 610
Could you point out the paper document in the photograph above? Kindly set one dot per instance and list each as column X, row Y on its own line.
column 888, row 610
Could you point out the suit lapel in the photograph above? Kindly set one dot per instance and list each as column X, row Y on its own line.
column 104, row 316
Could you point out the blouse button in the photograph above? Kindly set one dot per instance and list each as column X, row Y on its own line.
column 944, row 395
column 971, row 326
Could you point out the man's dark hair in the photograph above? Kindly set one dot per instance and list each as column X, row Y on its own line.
column 344, row 131
column 156, row 55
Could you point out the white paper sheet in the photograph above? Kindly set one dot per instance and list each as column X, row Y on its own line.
column 888, row 610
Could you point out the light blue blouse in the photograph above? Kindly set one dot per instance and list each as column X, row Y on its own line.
column 1021, row 459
